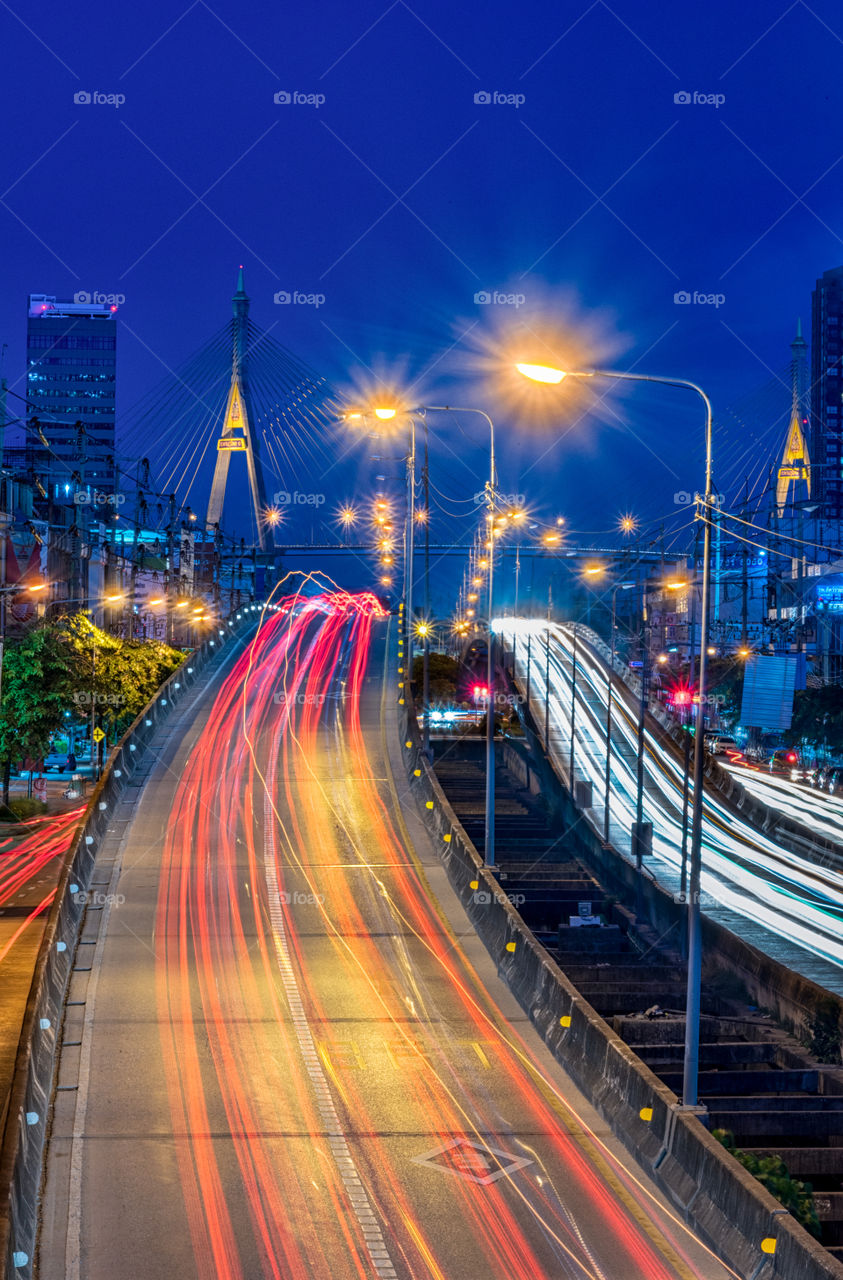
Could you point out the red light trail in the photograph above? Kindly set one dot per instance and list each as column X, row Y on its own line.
column 290, row 909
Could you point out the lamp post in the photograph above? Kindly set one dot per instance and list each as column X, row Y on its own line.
column 619, row 586
column 690, row 1080
column 489, row 850
column 384, row 414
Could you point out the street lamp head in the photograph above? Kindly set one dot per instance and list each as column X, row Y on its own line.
column 541, row 373
column 385, row 413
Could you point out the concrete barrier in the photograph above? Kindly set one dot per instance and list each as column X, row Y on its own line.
column 719, row 1200
column 24, row 1131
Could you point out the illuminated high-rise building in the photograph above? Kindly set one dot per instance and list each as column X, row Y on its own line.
column 827, row 394
column 71, row 364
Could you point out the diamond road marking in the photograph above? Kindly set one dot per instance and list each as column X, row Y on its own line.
column 472, row 1161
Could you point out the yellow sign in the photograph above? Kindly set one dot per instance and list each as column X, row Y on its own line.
column 98, row 735
column 231, row 442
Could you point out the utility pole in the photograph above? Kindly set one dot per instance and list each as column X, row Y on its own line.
column 168, row 573
column 547, row 674
column 573, row 710
column 744, row 573
column 426, row 651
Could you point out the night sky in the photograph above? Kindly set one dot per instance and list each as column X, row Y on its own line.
column 595, row 195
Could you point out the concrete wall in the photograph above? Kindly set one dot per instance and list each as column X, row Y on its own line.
column 720, row 1201
column 24, row 1131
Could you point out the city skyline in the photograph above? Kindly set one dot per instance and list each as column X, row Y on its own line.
column 554, row 188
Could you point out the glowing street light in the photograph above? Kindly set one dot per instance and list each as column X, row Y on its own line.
column 385, row 413
column 547, row 374
column 541, row 373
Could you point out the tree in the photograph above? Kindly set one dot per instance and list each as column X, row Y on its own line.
column 40, row 677
column 119, row 676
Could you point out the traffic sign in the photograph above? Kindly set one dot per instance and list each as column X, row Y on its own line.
column 98, row 735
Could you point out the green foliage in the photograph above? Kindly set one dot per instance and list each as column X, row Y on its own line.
column 70, row 664
column 772, row 1173
column 39, row 681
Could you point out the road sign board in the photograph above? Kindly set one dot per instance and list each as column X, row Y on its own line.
column 98, row 735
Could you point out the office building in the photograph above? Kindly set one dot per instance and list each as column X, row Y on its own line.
column 827, row 395
column 71, row 362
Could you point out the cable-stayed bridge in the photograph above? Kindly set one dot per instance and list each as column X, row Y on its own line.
column 241, row 393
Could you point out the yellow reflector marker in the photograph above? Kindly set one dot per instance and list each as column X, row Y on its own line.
column 408, row 743
column 400, row 671
column 417, row 773
column 565, row 1020
column 429, row 804
column 474, row 884
column 400, row 684
column 447, row 839
column 768, row 1245
column 646, row 1113
column 400, row 702
column 510, row 946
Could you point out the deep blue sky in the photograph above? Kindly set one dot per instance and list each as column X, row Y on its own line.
column 598, row 187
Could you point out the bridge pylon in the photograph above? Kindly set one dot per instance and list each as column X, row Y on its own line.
column 237, row 425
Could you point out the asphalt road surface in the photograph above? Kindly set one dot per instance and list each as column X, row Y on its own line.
column 744, row 869
column 294, row 1058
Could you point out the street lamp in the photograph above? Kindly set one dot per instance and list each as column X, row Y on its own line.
column 545, row 374
column 619, row 586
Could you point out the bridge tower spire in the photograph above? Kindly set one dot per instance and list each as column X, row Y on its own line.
column 237, row 425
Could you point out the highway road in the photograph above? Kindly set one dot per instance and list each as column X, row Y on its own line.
column 293, row 1057
column 743, row 870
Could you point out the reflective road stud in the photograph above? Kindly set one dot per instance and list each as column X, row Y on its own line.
column 768, row 1245
column 510, row 946
column 429, row 804
column 565, row 1020
column 474, row 884
column 646, row 1114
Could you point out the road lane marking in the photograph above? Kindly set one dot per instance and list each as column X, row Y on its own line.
column 340, row 1150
